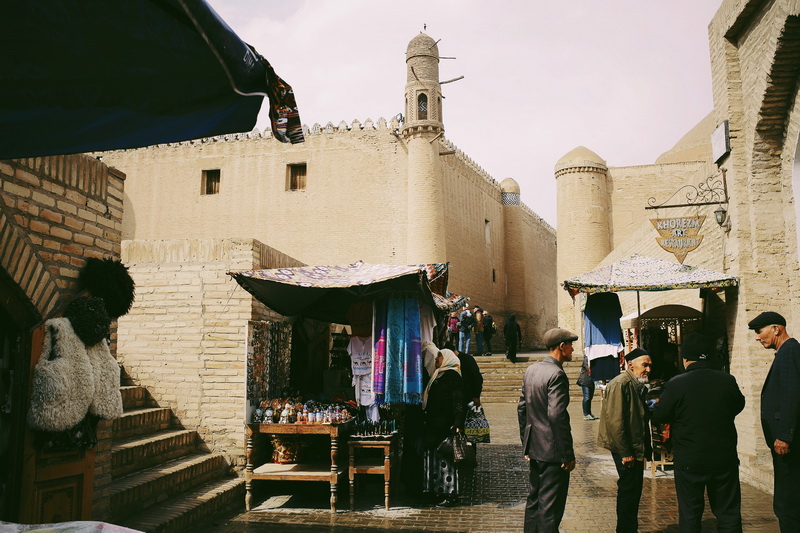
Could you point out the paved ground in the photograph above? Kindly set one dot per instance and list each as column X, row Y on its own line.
column 496, row 499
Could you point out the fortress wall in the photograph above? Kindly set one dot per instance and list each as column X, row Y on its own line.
column 353, row 207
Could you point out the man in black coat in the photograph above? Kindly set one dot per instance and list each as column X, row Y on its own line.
column 701, row 405
column 780, row 415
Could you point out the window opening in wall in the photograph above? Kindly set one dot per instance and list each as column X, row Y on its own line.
column 487, row 230
column 296, row 177
column 494, row 276
column 422, row 106
column 210, row 184
column 439, row 109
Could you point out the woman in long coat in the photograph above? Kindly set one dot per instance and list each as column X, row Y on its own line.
column 445, row 411
column 513, row 337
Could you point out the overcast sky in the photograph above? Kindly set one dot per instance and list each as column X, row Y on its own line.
column 625, row 78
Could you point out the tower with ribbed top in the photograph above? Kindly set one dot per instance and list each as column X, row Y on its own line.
column 422, row 127
column 584, row 224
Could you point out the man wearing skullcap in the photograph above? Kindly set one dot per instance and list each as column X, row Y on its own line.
column 780, row 415
column 546, row 434
column 625, row 432
column 701, row 405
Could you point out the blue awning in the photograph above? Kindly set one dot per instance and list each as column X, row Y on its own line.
column 90, row 75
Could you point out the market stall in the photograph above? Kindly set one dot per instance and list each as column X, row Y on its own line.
column 657, row 330
column 376, row 318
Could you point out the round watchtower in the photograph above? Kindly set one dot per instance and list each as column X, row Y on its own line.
column 584, row 226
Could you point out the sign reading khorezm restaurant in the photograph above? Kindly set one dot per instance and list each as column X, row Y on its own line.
column 679, row 235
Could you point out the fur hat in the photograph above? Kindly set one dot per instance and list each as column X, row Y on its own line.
column 108, row 279
column 63, row 384
column 89, row 319
column 107, row 399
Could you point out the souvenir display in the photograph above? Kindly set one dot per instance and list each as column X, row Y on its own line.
column 292, row 410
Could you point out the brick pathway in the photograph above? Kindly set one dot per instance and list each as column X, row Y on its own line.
column 497, row 495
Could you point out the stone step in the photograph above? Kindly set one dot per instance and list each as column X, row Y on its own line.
column 190, row 510
column 139, row 452
column 134, row 397
column 141, row 421
column 140, row 490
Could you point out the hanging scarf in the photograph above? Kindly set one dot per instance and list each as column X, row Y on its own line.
column 395, row 350
column 449, row 362
column 379, row 361
column 412, row 386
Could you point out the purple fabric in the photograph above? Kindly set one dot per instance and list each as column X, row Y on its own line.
column 379, row 364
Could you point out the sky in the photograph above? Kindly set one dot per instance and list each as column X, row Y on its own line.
column 625, row 78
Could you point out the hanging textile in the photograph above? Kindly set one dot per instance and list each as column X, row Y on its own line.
column 427, row 323
column 412, row 386
column 269, row 354
column 379, row 359
column 395, row 350
column 602, row 334
column 360, row 350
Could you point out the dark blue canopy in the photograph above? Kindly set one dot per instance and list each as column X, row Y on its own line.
column 90, row 75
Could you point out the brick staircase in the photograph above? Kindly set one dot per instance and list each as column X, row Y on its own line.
column 502, row 379
column 162, row 481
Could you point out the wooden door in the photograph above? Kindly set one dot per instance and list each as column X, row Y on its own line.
column 56, row 486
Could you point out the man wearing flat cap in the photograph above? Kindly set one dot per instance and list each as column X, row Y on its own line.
column 545, row 432
column 625, row 432
column 780, row 415
column 701, row 405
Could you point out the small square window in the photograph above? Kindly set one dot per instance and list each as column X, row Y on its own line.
column 296, row 177
column 210, row 184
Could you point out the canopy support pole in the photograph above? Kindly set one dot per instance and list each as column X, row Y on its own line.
column 638, row 321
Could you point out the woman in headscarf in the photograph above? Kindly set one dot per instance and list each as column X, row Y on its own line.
column 445, row 411
column 513, row 337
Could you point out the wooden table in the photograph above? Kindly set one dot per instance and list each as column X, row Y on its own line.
column 295, row 471
column 366, row 465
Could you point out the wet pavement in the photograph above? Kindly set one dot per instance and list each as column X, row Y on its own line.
column 495, row 497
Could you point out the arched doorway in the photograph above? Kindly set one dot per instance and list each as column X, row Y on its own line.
column 16, row 321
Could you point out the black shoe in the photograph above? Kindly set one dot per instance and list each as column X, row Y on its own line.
column 450, row 501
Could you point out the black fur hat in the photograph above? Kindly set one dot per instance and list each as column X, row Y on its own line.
column 89, row 319
column 108, row 279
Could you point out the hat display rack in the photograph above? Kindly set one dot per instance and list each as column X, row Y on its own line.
column 76, row 380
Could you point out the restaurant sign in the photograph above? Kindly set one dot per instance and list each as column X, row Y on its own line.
column 679, row 235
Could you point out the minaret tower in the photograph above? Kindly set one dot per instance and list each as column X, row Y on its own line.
column 423, row 125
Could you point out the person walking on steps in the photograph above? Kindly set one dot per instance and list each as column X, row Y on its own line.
column 513, row 337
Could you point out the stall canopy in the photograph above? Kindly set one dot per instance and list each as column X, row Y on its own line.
column 88, row 75
column 326, row 292
column 640, row 273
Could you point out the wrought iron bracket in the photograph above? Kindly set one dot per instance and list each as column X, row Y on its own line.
column 711, row 191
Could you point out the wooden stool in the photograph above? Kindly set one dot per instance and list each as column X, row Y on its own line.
column 372, row 465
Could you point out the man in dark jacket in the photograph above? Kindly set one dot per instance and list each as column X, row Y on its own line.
column 546, row 434
column 701, row 405
column 625, row 432
column 780, row 415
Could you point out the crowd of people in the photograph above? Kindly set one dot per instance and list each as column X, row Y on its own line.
column 475, row 322
column 700, row 405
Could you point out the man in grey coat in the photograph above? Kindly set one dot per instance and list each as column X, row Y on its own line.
column 546, row 434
